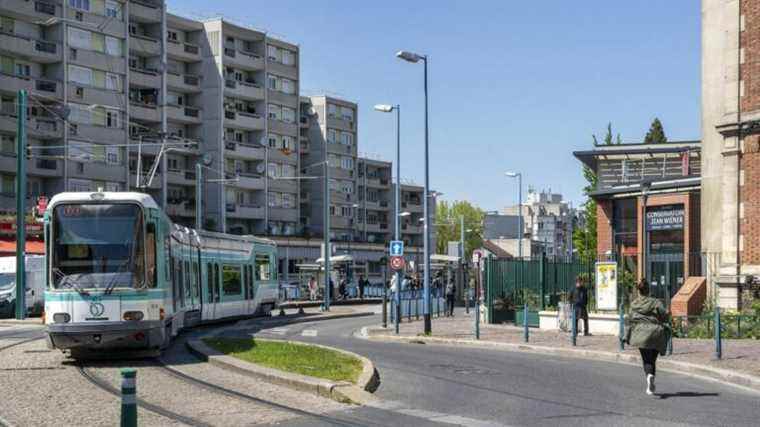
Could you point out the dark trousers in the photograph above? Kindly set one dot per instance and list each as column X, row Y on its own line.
column 581, row 313
column 649, row 359
column 450, row 305
column 361, row 292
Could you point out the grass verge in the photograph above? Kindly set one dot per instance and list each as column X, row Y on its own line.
column 301, row 359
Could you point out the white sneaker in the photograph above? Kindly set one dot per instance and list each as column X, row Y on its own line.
column 650, row 385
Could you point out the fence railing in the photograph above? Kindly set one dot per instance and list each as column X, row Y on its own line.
column 413, row 304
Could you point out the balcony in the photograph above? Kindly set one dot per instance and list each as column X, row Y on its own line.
column 244, row 120
column 96, row 133
column 283, row 214
column 144, row 78
column 101, row 170
column 181, row 177
column 183, row 82
column 42, row 51
column 34, row 167
column 154, row 185
column 145, row 11
column 37, row 10
column 251, row 181
column 241, row 59
column 146, row 112
column 184, row 114
column 411, row 229
column 94, row 96
column 181, row 209
column 144, row 45
column 14, row 83
column 187, row 52
column 244, row 150
column 104, row 24
column 246, row 90
column 247, row 211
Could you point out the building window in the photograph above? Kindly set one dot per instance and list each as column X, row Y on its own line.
column 332, row 110
column 288, row 200
column 80, row 75
column 80, row 4
column 114, row 46
column 275, row 112
column 331, row 135
column 113, row 82
column 81, row 39
column 8, row 144
column 288, row 86
column 23, row 69
column 272, row 82
column 171, row 35
column 113, row 118
column 273, row 140
column 347, row 113
column 113, row 156
column 113, row 9
column 288, row 57
column 288, row 115
column 346, row 138
column 272, row 53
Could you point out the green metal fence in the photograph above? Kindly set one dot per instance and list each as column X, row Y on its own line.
column 540, row 282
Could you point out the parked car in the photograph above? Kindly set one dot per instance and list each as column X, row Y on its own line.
column 35, row 285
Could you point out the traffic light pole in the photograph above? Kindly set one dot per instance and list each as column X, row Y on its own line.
column 21, row 207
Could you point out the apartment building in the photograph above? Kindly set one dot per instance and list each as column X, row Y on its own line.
column 376, row 193
column 71, row 57
column 330, row 129
column 250, row 131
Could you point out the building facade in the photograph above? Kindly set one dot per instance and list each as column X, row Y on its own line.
column 126, row 96
column 648, row 209
column 731, row 148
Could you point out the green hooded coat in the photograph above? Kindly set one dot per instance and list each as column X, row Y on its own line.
column 648, row 324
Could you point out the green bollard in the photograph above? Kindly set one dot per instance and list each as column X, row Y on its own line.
column 718, row 342
column 622, row 329
column 526, row 335
column 128, row 397
column 573, row 326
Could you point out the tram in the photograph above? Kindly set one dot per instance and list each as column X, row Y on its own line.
column 121, row 275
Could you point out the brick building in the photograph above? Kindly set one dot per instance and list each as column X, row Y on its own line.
column 648, row 209
column 731, row 147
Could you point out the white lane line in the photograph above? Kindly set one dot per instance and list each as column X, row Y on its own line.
column 275, row 331
column 309, row 333
column 403, row 409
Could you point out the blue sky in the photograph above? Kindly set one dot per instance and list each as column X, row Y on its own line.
column 514, row 85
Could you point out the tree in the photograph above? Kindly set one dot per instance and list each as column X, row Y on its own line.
column 447, row 225
column 656, row 134
column 608, row 137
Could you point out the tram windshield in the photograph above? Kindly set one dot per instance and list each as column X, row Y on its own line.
column 97, row 246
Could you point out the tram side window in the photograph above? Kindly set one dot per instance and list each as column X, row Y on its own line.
column 150, row 254
column 180, row 277
column 263, row 267
column 231, row 280
column 188, row 283
column 168, row 257
column 210, row 281
column 245, row 282
column 250, row 282
column 195, row 282
column 216, row 283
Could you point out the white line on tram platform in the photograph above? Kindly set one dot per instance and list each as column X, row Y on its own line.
column 309, row 333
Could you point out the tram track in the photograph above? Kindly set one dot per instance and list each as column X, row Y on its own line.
column 104, row 385
column 156, row 409
column 248, row 398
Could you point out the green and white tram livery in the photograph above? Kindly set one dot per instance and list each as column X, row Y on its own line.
column 121, row 275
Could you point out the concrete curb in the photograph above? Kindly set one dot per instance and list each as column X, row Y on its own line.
column 745, row 381
column 344, row 392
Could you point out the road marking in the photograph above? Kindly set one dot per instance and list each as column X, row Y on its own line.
column 275, row 331
column 309, row 333
column 438, row 417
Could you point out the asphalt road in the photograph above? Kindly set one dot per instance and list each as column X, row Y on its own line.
column 443, row 385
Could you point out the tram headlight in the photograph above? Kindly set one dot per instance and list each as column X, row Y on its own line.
column 61, row 318
column 133, row 315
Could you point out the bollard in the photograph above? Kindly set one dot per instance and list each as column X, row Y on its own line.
column 622, row 328
column 385, row 308
column 300, row 310
column 525, row 323
column 573, row 327
column 128, row 397
column 467, row 301
column 477, row 318
column 718, row 342
column 282, row 311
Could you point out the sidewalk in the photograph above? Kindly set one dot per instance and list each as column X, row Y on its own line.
column 739, row 356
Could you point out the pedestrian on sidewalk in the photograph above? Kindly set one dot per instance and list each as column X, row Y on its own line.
column 451, row 292
column 363, row 283
column 649, row 330
column 313, row 288
column 580, row 305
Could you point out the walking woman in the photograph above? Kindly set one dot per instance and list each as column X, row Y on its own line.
column 649, row 330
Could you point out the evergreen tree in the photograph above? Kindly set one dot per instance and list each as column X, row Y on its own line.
column 656, row 134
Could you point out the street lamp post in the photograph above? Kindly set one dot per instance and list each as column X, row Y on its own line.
column 520, row 230
column 397, row 196
column 414, row 58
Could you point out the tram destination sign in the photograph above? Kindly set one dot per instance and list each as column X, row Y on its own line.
column 670, row 218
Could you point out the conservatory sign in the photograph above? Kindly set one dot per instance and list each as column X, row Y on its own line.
column 665, row 218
